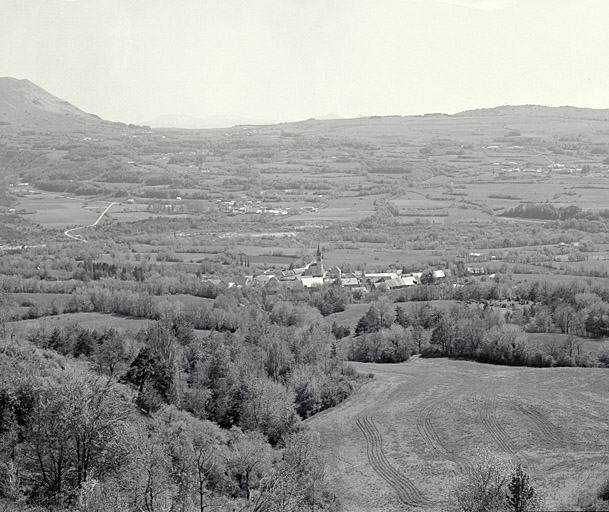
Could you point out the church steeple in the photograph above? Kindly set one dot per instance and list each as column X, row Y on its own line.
column 319, row 262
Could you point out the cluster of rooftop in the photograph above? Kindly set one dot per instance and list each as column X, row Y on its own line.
column 314, row 274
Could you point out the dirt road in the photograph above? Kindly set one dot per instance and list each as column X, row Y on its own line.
column 69, row 232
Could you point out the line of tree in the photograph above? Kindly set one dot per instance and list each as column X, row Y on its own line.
column 543, row 211
column 386, row 333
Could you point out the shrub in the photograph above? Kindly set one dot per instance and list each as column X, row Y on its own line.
column 603, row 492
column 540, row 360
column 603, row 359
column 482, row 486
column 489, row 484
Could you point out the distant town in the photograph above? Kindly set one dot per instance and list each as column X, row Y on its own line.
column 314, row 274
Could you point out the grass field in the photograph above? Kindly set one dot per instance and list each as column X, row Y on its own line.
column 87, row 320
column 189, row 299
column 52, row 210
column 557, row 278
column 375, row 256
column 344, row 208
column 43, row 299
column 20, row 303
column 401, row 442
column 58, row 212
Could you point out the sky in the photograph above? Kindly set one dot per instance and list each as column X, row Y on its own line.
column 283, row 60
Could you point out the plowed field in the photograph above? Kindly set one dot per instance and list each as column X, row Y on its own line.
column 402, row 440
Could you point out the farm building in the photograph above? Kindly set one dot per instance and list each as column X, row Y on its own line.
column 311, row 281
column 396, row 284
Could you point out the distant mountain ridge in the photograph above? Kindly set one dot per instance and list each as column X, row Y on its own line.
column 25, row 105
column 196, row 123
column 327, row 117
column 566, row 112
column 183, row 121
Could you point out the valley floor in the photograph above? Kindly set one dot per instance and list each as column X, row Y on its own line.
column 402, row 440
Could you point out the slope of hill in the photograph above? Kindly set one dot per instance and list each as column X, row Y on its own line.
column 565, row 112
column 467, row 127
column 24, row 105
column 404, row 438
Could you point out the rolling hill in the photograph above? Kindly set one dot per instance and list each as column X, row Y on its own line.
column 564, row 112
column 404, row 438
column 24, row 105
column 474, row 126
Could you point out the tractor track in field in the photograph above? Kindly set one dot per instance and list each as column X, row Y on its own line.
column 409, row 432
column 488, row 416
column 582, row 411
column 546, row 427
column 430, row 435
column 407, row 492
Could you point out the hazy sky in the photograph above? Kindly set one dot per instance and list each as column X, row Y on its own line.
column 131, row 60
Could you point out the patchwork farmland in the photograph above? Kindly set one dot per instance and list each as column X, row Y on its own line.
column 221, row 301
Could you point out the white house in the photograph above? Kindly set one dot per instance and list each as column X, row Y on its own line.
column 311, row 281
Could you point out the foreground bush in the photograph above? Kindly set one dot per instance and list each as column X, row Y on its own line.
column 598, row 502
column 489, row 484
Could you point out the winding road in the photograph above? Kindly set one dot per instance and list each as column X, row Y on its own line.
column 80, row 237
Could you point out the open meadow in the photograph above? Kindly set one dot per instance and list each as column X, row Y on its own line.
column 402, row 440
column 54, row 211
column 90, row 321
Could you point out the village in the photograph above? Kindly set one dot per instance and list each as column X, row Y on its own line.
column 315, row 275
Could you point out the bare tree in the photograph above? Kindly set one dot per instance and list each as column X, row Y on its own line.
column 148, row 478
column 74, row 429
column 482, row 487
column 248, row 459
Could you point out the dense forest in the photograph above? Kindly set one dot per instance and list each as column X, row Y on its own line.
column 165, row 419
